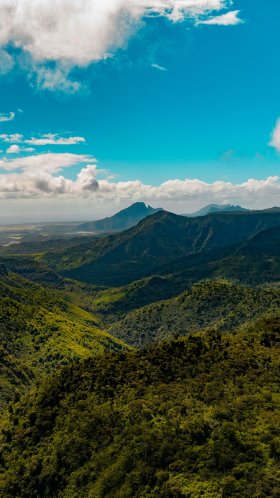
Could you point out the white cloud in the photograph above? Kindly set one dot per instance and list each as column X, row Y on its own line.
column 7, row 117
column 6, row 62
column 45, row 139
column 15, row 137
column 229, row 19
column 38, row 183
column 193, row 190
column 41, row 177
column 158, row 67
column 57, row 78
column 49, row 162
column 275, row 136
column 16, row 149
column 13, row 149
column 73, row 33
column 54, row 139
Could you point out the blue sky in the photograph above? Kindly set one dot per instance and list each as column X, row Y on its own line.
column 177, row 99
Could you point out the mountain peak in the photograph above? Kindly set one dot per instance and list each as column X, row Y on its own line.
column 122, row 220
column 216, row 208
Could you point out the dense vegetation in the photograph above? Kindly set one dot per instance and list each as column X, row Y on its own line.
column 40, row 331
column 193, row 417
column 219, row 304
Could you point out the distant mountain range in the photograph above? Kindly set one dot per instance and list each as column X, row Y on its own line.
column 216, row 208
column 129, row 217
column 124, row 219
column 157, row 240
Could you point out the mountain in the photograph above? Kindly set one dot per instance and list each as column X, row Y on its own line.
column 192, row 417
column 216, row 208
column 255, row 261
column 157, row 240
column 122, row 220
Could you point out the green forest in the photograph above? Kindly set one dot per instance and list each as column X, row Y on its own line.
column 131, row 371
column 190, row 417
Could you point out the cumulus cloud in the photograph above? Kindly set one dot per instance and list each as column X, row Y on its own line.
column 41, row 177
column 13, row 149
column 7, row 117
column 229, row 19
column 72, row 33
column 193, row 190
column 40, row 183
column 16, row 149
column 275, row 137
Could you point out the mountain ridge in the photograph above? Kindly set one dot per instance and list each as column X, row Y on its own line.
column 122, row 220
column 130, row 255
column 216, row 208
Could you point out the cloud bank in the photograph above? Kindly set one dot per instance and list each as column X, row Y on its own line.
column 41, row 177
column 73, row 33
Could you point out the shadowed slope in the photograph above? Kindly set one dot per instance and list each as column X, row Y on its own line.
column 219, row 304
column 159, row 239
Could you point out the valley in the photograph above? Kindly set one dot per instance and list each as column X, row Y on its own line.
column 168, row 328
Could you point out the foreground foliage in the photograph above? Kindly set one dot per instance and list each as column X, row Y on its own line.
column 197, row 416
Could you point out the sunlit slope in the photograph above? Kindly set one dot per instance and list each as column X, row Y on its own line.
column 192, row 417
column 40, row 331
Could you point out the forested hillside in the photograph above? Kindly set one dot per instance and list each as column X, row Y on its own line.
column 219, row 304
column 41, row 331
column 193, row 417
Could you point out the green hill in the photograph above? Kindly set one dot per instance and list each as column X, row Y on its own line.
column 254, row 261
column 41, row 331
column 216, row 304
column 193, row 417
